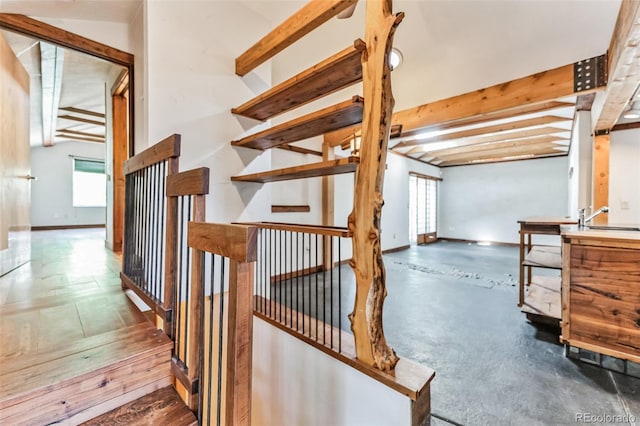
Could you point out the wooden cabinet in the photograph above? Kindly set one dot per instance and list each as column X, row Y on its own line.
column 601, row 292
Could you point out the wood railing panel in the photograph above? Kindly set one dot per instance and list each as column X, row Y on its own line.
column 164, row 150
column 192, row 182
column 237, row 242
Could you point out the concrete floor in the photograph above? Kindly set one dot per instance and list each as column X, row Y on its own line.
column 452, row 306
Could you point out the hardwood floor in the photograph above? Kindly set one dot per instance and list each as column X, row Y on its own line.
column 72, row 344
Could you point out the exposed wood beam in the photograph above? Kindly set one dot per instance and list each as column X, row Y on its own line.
column 601, row 149
column 81, row 120
column 505, row 149
column 51, row 68
column 75, row 132
column 83, row 111
column 305, row 20
column 504, row 127
column 624, row 67
column 625, row 126
column 542, row 149
column 336, row 138
column 80, row 138
column 300, row 150
column 501, row 137
column 503, row 160
column 494, row 145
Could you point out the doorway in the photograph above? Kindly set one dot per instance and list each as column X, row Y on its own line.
column 423, row 209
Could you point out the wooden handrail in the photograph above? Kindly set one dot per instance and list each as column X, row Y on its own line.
column 168, row 148
column 237, row 242
column 191, row 182
column 329, row 231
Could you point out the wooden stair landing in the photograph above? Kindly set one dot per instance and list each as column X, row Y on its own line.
column 76, row 358
column 162, row 407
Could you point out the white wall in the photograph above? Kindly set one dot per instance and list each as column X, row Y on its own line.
column 624, row 177
column 484, row 202
column 52, row 192
column 113, row 34
column 296, row 384
column 580, row 164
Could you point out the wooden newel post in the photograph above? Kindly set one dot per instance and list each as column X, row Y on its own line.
column 364, row 220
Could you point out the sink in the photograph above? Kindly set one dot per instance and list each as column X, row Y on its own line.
column 615, row 227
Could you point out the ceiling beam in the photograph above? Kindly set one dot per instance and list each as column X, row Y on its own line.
column 75, row 132
column 51, row 68
column 498, row 128
column 504, row 160
column 79, row 138
column 541, row 148
column 624, row 68
column 83, row 111
column 305, row 20
column 81, row 120
column 494, row 145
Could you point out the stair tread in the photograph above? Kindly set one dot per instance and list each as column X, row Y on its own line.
column 324, row 168
column 36, row 380
column 163, row 406
column 344, row 114
column 334, row 73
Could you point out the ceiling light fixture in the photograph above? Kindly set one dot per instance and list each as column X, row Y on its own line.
column 633, row 112
column 395, row 58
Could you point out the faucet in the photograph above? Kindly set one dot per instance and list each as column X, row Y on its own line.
column 582, row 221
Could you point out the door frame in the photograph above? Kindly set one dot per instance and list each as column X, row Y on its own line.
column 123, row 148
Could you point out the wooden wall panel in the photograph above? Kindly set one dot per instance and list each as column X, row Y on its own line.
column 15, row 187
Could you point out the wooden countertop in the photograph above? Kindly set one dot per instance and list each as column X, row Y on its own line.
column 548, row 220
column 573, row 232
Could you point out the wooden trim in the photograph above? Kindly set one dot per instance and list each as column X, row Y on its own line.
column 75, row 132
column 121, row 85
column 170, row 146
column 182, row 375
column 120, row 154
column 409, row 378
column 84, row 111
column 191, row 182
column 305, row 20
column 307, row 229
column 623, row 68
column 163, row 150
column 237, row 242
column 155, row 305
column 420, row 175
column 56, row 227
column 81, row 120
column 334, row 73
column 393, row 250
column 565, row 288
column 601, row 149
column 625, row 126
column 290, row 208
column 33, row 28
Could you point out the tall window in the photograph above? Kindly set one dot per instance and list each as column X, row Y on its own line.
column 423, row 208
column 89, row 183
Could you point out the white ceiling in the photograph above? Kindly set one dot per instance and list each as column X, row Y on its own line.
column 92, row 10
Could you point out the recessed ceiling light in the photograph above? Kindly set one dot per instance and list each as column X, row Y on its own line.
column 395, row 58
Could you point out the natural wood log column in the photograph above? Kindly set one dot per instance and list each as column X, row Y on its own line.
column 601, row 144
column 364, row 220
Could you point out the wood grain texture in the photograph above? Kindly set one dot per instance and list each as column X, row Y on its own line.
column 237, row 242
column 171, row 239
column 305, row 20
column 290, row 208
column 524, row 157
column 624, row 68
column 544, row 257
column 120, row 154
column 324, row 168
column 543, row 297
column 300, row 150
column 499, row 149
column 191, row 182
column 163, row 150
column 39, row 30
column 328, row 119
column 334, row 73
column 600, row 184
column 365, row 221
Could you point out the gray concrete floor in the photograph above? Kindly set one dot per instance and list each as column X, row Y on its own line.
column 452, row 307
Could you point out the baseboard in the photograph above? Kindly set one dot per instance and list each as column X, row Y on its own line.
column 493, row 243
column 58, row 227
column 391, row 250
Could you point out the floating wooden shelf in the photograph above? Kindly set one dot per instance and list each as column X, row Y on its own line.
column 324, row 168
column 544, row 257
column 326, row 120
column 334, row 73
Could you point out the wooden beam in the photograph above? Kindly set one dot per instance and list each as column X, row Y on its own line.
column 505, row 150
column 39, row 30
column 324, row 168
column 493, row 145
column 120, row 138
column 81, row 120
column 83, row 111
column 502, row 160
column 498, row 128
column 624, row 67
column 501, row 137
column 601, row 147
column 300, row 150
column 625, row 126
column 191, row 182
column 308, row 18
column 78, row 138
column 75, row 132
column 51, row 68
column 365, row 219
column 290, row 208
column 336, row 138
